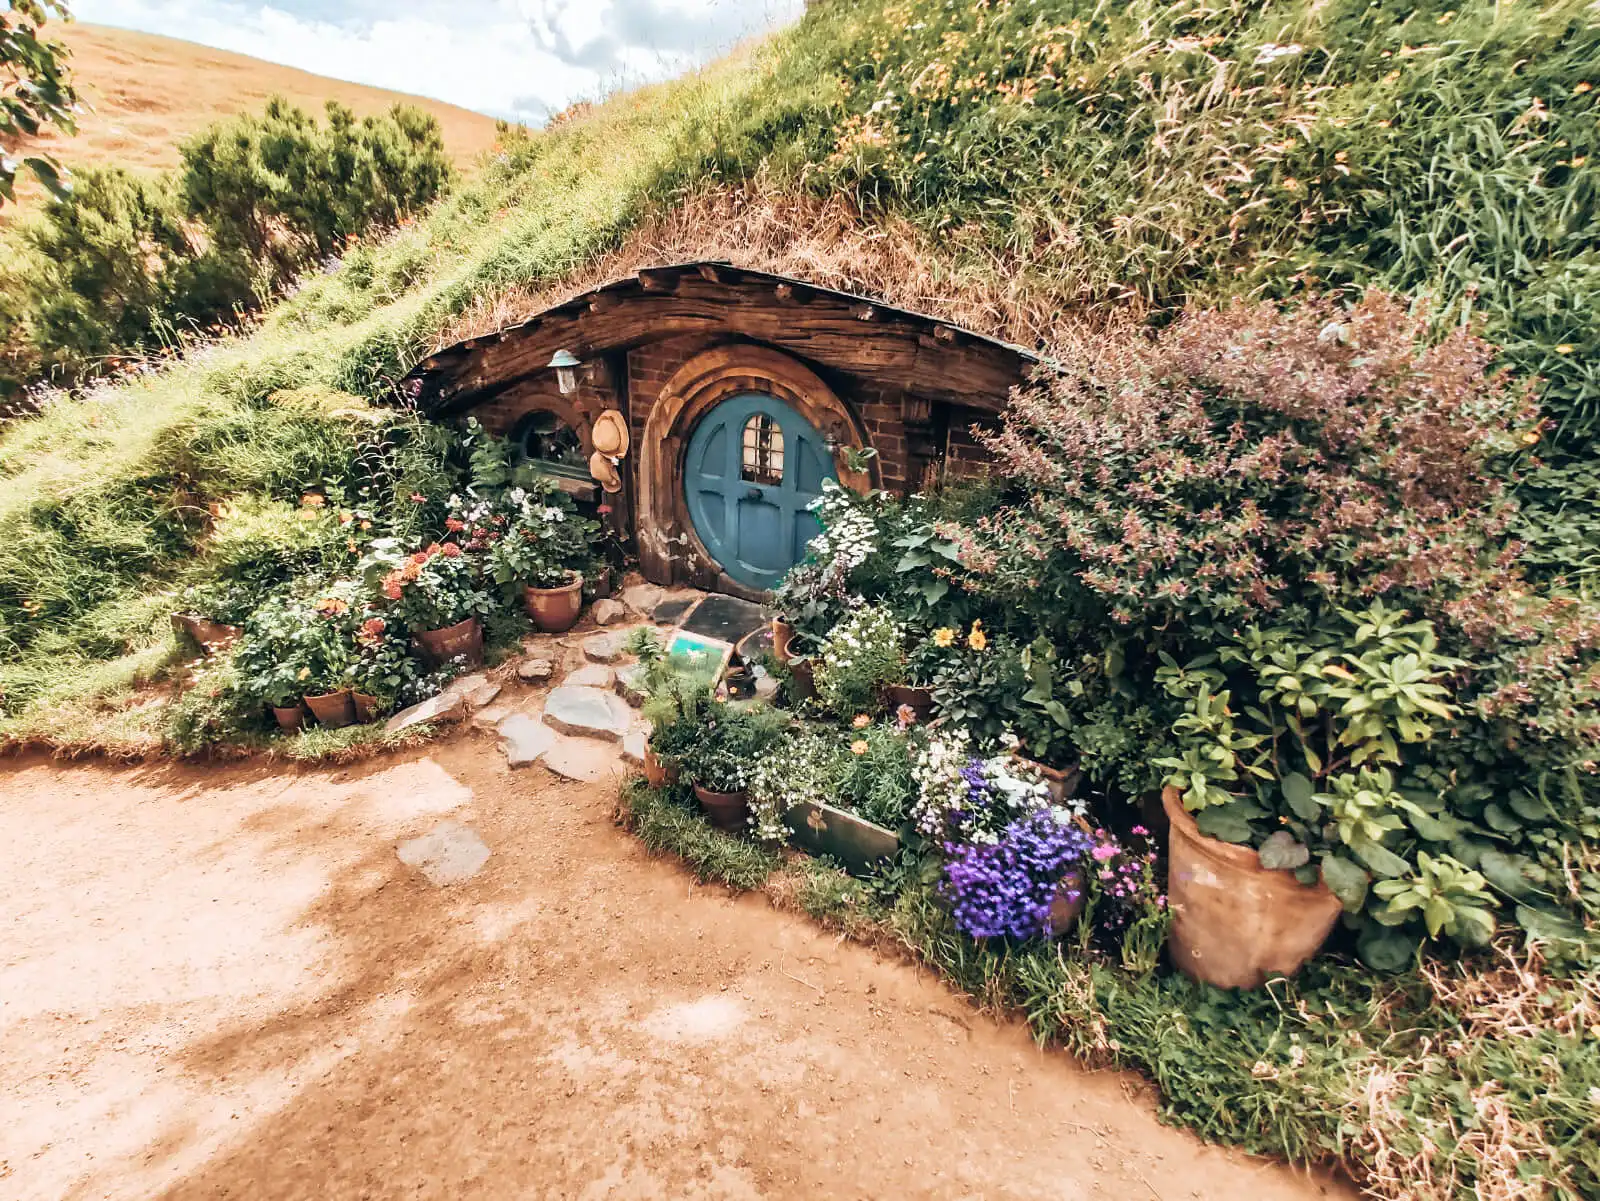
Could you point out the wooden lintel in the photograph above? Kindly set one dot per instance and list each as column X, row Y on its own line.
column 656, row 281
column 710, row 272
column 603, row 302
column 864, row 312
column 945, row 334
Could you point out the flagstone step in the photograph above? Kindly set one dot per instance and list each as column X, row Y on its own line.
column 587, row 713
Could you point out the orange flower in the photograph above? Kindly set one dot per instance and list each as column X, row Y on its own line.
column 313, row 500
column 862, row 721
column 331, row 606
column 859, row 747
column 450, row 550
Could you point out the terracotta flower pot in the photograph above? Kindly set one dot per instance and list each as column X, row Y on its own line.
column 335, row 710
column 802, row 680
column 464, row 640
column 782, row 636
column 366, row 707
column 555, row 610
column 1061, row 781
column 1235, row 923
column 919, row 699
column 729, row 811
column 656, row 773
column 289, row 718
column 1072, row 894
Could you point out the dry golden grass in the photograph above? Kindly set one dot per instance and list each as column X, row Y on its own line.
column 825, row 240
column 147, row 93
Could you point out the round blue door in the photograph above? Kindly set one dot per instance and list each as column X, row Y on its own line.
column 753, row 467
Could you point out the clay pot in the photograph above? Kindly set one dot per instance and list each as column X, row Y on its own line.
column 802, row 680
column 656, row 773
column 555, row 610
column 366, row 707
column 335, row 710
column 1072, row 894
column 1236, row 923
column 464, row 640
column 728, row 811
column 289, row 719
column 782, row 636
column 1061, row 781
column 920, row 699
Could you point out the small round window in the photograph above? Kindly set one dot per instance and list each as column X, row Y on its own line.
column 549, row 442
column 763, row 451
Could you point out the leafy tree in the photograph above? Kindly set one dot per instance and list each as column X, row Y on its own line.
column 35, row 90
column 284, row 191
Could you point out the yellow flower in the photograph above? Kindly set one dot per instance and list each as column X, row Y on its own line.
column 977, row 640
column 1529, row 438
column 1565, row 348
column 944, row 636
column 862, row 721
column 304, row 672
column 859, row 747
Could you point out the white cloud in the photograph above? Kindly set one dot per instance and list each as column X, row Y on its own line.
column 513, row 58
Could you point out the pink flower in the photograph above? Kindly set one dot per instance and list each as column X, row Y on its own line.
column 1103, row 852
column 450, row 550
column 1141, row 831
column 418, row 499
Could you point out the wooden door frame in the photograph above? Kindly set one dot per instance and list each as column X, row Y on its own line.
column 670, row 551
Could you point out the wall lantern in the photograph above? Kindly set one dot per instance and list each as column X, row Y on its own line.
column 566, row 364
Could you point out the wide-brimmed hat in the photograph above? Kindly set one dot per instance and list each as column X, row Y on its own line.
column 605, row 471
column 610, row 435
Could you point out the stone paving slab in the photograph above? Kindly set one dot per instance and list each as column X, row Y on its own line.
column 591, row 675
column 583, row 760
column 448, row 854
column 524, row 740
column 587, row 713
column 446, row 707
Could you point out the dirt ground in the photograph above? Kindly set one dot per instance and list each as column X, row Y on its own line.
column 223, row 983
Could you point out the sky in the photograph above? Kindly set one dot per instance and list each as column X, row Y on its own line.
column 519, row 59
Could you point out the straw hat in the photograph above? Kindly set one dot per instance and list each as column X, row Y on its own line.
column 610, row 435
column 604, row 470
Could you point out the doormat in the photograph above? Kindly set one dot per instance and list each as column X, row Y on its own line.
column 726, row 618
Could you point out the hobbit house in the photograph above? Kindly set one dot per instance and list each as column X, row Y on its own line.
column 703, row 405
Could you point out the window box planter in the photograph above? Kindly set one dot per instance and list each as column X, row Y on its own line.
column 1236, row 923
column 464, row 640
column 727, row 811
column 335, row 710
column 853, row 841
column 555, row 610
column 289, row 717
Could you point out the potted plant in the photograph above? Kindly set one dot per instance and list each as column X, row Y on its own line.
column 677, row 707
column 914, row 690
column 284, row 645
column 1286, row 806
column 860, row 655
column 382, row 668
column 540, row 554
column 720, row 763
column 437, row 596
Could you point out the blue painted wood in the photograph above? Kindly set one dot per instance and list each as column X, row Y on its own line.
column 755, row 531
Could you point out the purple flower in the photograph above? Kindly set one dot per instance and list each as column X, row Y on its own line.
column 1005, row 889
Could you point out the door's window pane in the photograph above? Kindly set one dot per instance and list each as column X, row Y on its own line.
column 762, row 451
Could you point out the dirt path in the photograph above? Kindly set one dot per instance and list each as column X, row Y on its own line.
column 223, row 983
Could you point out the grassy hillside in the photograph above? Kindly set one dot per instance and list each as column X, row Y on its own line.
column 1029, row 166
column 146, row 93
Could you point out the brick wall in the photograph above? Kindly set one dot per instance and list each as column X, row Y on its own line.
column 964, row 457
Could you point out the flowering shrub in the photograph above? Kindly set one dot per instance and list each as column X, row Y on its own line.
column 731, row 743
column 293, row 646
column 962, row 798
column 434, row 588
column 1004, row 888
column 538, row 541
column 1128, row 903
column 858, row 657
column 383, row 665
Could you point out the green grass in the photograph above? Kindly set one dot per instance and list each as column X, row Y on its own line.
column 1468, row 1081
